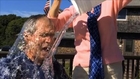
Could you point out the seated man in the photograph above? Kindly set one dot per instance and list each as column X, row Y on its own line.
column 25, row 58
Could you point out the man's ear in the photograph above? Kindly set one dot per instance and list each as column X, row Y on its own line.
column 27, row 36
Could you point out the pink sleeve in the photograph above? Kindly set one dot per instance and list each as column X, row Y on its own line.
column 119, row 4
column 64, row 16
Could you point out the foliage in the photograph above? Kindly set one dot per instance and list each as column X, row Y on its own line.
column 10, row 26
column 13, row 29
column 67, row 67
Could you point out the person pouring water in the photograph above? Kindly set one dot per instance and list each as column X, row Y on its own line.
column 107, row 24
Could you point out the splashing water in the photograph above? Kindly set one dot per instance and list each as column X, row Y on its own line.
column 60, row 35
column 16, row 65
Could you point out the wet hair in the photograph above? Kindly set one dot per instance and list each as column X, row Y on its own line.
column 29, row 27
column 30, row 24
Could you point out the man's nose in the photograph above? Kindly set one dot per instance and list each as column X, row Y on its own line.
column 48, row 39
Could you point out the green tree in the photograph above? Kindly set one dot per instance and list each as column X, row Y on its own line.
column 1, row 34
column 12, row 30
column 4, row 20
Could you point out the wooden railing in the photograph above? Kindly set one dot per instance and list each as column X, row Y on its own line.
column 132, row 67
column 131, row 64
column 64, row 59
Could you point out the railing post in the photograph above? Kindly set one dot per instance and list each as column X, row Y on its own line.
column 137, row 72
column 71, row 67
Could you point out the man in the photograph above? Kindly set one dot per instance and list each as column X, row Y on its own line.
column 107, row 25
column 26, row 57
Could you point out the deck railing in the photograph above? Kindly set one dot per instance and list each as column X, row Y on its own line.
column 131, row 64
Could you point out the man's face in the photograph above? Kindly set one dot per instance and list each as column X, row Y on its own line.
column 42, row 40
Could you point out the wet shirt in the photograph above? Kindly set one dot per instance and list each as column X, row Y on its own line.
column 18, row 66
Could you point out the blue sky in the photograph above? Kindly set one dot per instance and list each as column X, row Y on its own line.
column 26, row 8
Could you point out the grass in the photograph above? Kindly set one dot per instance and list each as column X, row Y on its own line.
column 66, row 67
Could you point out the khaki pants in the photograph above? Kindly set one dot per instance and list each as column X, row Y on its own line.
column 111, row 71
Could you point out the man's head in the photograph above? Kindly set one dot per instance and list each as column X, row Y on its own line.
column 38, row 36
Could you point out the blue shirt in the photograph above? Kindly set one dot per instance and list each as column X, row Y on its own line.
column 18, row 66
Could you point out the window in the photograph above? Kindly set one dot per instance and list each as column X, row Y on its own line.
column 129, row 46
column 122, row 16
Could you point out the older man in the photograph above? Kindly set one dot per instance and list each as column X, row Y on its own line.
column 25, row 60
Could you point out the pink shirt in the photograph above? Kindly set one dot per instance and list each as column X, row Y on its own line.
column 107, row 29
